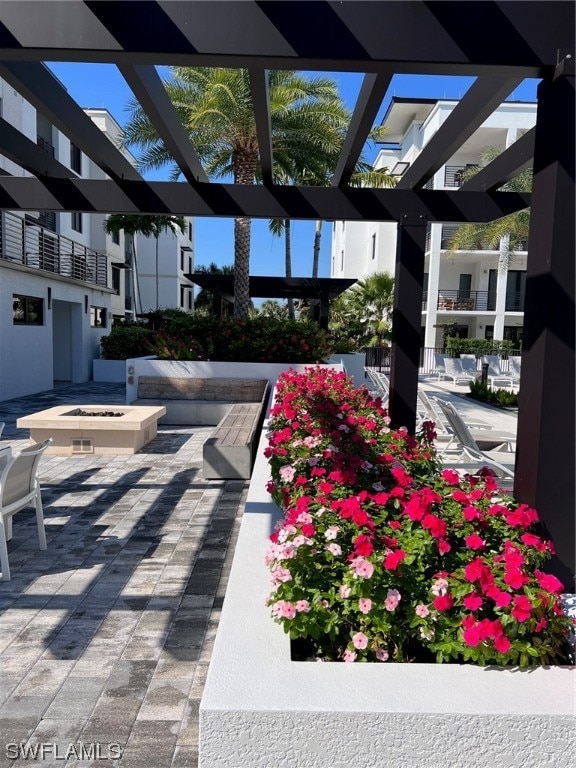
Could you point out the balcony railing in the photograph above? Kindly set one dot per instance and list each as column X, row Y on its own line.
column 466, row 301
column 478, row 301
column 27, row 243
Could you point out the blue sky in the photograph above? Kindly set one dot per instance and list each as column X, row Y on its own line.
column 102, row 85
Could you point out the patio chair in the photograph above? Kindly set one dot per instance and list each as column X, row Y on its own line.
column 381, row 383
column 485, row 436
column 495, row 372
column 501, row 461
column 439, row 368
column 455, row 371
column 19, row 488
column 470, row 364
column 515, row 366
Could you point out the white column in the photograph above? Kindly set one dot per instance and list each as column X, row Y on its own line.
column 501, row 283
column 433, row 285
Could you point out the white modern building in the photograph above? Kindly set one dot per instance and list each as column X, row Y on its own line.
column 465, row 288
column 62, row 279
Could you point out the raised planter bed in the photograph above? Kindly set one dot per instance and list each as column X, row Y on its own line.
column 259, row 708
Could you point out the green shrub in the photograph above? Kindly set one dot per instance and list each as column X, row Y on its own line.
column 190, row 337
column 486, row 394
column 478, row 347
column 125, row 341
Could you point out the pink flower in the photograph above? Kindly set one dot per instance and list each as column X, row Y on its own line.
column 522, row 608
column 349, row 656
column 360, row 641
column 501, row 598
column 422, row 610
column 334, row 548
column 362, row 567
column 502, row 644
column 472, row 601
column 393, row 559
column 382, row 655
column 283, row 610
column 331, row 532
column 281, row 574
column 474, row 542
column 450, row 477
column 515, row 578
column 287, row 473
column 392, row 600
column 302, row 606
column 440, row 587
column 435, row 525
column 549, row 582
column 443, row 602
column 365, row 604
column 472, row 636
column 344, row 591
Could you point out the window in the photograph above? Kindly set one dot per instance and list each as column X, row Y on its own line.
column 181, row 259
column 27, row 310
column 116, row 279
column 76, row 221
column 373, row 246
column 190, row 231
column 189, row 299
column 98, row 317
column 182, row 296
column 464, row 286
column 116, row 238
column 75, row 158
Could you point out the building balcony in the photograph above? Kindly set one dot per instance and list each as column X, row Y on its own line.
column 475, row 301
column 26, row 242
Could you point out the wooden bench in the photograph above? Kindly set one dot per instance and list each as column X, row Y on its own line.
column 235, row 406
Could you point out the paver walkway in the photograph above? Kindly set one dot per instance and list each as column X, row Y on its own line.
column 105, row 638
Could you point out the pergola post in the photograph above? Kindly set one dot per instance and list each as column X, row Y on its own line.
column 407, row 321
column 546, row 419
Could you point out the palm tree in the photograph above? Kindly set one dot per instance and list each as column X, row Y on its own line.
column 149, row 226
column 370, row 302
column 308, row 120
column 207, row 302
column 507, row 234
column 277, row 227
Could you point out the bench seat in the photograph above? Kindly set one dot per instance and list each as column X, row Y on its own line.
column 235, row 406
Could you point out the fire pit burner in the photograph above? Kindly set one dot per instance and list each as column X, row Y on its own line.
column 80, row 412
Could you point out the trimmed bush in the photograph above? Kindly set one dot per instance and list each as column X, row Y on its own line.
column 478, row 347
column 125, row 341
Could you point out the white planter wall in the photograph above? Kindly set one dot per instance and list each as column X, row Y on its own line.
column 260, row 710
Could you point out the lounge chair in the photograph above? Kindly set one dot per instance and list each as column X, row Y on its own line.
column 501, row 461
column 486, row 437
column 380, row 382
column 439, row 368
column 454, row 371
column 496, row 374
column 470, row 364
column 19, row 488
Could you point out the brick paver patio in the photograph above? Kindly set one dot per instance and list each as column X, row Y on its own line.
column 105, row 638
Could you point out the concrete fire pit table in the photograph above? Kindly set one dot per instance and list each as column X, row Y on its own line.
column 94, row 429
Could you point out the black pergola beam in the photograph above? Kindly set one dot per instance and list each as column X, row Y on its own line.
column 17, row 147
column 39, row 86
column 517, row 158
column 255, row 201
column 372, row 92
column 406, row 321
column 261, row 104
column 418, row 36
column 147, row 86
column 482, row 98
column 544, row 476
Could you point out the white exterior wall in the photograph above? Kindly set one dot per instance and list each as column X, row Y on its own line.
column 350, row 244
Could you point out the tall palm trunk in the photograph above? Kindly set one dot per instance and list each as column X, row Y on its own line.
column 288, row 260
column 244, row 171
column 316, row 253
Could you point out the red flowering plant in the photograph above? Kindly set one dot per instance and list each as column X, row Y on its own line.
column 381, row 555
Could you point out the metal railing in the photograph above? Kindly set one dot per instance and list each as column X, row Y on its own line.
column 478, row 301
column 379, row 358
column 24, row 242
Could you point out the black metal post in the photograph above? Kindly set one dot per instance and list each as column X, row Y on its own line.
column 407, row 321
column 546, row 418
column 484, row 376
